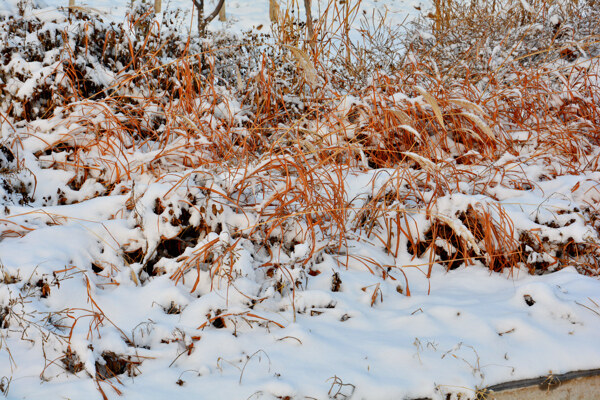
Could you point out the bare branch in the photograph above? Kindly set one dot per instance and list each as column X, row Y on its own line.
column 214, row 13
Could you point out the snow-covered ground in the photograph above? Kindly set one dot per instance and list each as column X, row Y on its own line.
column 152, row 269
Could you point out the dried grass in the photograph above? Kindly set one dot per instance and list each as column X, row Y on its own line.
column 277, row 147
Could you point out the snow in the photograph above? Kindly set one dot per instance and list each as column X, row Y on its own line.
column 242, row 15
column 86, row 271
column 463, row 329
column 473, row 330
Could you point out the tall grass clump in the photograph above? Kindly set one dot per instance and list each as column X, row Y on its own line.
column 470, row 87
column 287, row 150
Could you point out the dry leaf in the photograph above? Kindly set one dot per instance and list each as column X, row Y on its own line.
column 461, row 231
column 480, row 124
column 422, row 161
column 310, row 73
column 402, row 117
column 433, row 103
column 412, row 130
column 467, row 104
column 238, row 78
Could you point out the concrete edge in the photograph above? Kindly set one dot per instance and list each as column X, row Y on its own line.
column 574, row 385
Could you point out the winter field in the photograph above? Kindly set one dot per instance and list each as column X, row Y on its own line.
column 398, row 200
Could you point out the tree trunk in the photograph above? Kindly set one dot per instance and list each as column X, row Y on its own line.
column 212, row 16
column 157, row 5
column 200, row 16
column 309, row 24
column 222, row 14
column 273, row 11
column 203, row 22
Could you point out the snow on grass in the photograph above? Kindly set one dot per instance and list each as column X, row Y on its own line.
column 253, row 217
